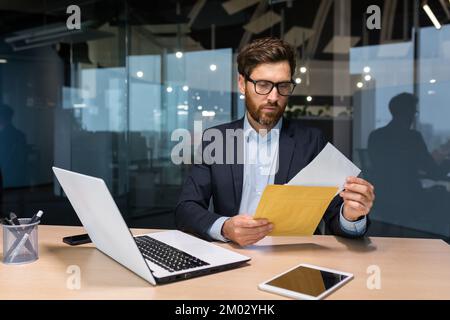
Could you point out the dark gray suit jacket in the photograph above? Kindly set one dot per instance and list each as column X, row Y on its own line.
column 298, row 146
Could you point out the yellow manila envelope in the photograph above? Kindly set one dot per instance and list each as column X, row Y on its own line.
column 294, row 210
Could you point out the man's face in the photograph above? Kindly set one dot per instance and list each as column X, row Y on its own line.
column 266, row 109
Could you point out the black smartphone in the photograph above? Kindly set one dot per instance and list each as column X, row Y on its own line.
column 77, row 239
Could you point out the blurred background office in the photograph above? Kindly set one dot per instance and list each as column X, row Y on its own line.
column 104, row 99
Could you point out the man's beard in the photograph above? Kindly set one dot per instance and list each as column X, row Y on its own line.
column 267, row 119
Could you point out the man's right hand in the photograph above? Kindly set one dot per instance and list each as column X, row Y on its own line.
column 244, row 230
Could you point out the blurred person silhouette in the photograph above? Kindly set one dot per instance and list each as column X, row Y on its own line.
column 13, row 150
column 400, row 159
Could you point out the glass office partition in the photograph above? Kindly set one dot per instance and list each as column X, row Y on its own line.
column 170, row 88
column 106, row 99
column 391, row 70
column 399, row 136
column 66, row 93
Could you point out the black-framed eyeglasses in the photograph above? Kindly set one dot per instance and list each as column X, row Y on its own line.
column 264, row 87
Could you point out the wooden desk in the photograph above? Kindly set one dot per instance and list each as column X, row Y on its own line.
column 410, row 269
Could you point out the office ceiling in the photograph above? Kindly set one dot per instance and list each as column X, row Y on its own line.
column 309, row 25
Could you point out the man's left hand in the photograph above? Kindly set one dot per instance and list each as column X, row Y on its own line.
column 358, row 198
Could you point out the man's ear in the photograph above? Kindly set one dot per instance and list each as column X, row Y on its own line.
column 241, row 83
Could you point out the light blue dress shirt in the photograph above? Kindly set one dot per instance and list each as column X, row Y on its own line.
column 260, row 167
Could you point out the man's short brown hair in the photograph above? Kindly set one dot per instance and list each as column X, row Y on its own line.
column 265, row 50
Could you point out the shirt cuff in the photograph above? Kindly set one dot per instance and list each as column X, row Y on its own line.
column 354, row 228
column 215, row 231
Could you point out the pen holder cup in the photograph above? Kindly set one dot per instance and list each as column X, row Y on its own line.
column 20, row 242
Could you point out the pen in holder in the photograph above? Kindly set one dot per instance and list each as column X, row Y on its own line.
column 20, row 241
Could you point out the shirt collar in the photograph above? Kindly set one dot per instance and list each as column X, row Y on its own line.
column 250, row 132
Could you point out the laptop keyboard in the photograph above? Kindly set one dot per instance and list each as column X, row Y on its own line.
column 167, row 256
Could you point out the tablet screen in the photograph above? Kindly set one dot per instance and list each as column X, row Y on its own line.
column 308, row 281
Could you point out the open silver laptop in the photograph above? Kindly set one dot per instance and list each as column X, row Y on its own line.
column 158, row 257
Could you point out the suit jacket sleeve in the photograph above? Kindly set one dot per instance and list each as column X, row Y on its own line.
column 191, row 213
column 331, row 216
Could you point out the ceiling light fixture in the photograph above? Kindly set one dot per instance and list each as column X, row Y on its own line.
column 431, row 15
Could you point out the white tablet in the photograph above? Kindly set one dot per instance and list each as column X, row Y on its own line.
column 306, row 282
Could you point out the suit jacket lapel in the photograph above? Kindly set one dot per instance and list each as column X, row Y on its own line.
column 286, row 147
column 237, row 168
